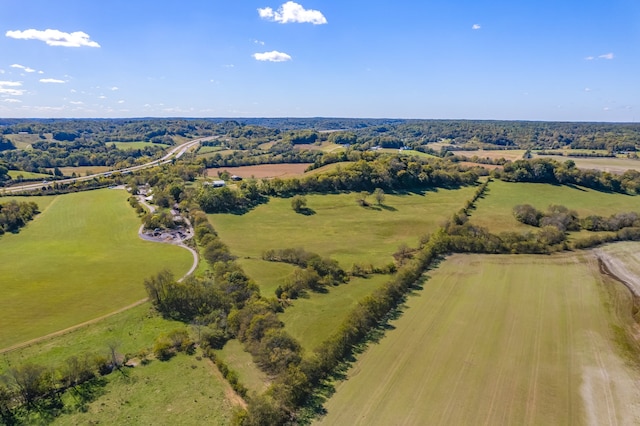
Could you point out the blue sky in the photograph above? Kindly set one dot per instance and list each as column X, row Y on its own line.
column 544, row 60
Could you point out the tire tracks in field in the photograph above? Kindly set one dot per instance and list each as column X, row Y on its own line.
column 383, row 388
column 602, row 370
column 533, row 377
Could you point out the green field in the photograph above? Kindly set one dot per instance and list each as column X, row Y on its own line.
column 79, row 259
column 133, row 330
column 268, row 275
column 346, row 231
column 494, row 211
column 606, row 164
column 497, row 340
column 314, row 319
column 27, row 175
column 183, row 391
column 135, row 145
column 249, row 375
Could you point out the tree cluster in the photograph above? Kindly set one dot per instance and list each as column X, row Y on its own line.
column 543, row 170
column 15, row 214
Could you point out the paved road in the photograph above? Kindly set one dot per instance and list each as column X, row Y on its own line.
column 173, row 154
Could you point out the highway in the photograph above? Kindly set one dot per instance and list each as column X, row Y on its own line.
column 173, row 154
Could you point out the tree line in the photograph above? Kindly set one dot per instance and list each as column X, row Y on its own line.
column 15, row 215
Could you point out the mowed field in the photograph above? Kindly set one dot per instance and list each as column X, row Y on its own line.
column 497, row 340
column 339, row 227
column 263, row 170
column 312, row 320
column 495, row 210
column 80, row 258
column 605, row 164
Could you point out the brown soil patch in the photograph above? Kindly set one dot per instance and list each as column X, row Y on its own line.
column 263, row 170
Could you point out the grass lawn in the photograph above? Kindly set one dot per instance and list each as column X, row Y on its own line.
column 497, row 340
column 79, row 259
column 135, row 145
column 339, row 227
column 268, row 275
column 249, row 375
column 134, row 330
column 84, row 170
column 314, row 319
column 494, row 211
column 182, row 391
column 606, row 164
column 27, row 175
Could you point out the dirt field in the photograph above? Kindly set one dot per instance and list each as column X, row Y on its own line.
column 497, row 340
column 264, row 170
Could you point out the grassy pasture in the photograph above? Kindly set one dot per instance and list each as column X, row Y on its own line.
column 23, row 141
column 339, row 227
column 507, row 154
column 496, row 340
column 494, row 211
column 134, row 330
column 79, row 259
column 134, row 145
column 268, row 275
column 327, row 167
column 240, row 361
column 314, row 319
column 264, row 170
column 83, row 170
column 27, row 175
column 184, row 391
column 615, row 165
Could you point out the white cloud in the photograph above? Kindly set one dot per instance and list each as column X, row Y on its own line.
column 606, row 109
column 102, row 97
column 12, row 101
column 52, row 80
column 7, row 88
column 55, row 37
column 608, row 56
column 273, row 56
column 76, row 102
column 1, row 71
column 292, row 12
column 476, row 27
column 229, row 66
column 121, row 101
column 587, row 89
column 114, row 88
column 260, row 42
column 22, row 67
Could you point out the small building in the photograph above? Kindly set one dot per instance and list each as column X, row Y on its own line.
column 216, row 183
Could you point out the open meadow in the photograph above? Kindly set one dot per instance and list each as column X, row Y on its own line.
column 346, row 232
column 313, row 319
column 79, row 259
column 183, row 391
column 263, row 170
column 494, row 209
column 615, row 165
column 498, row 340
column 135, row 145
